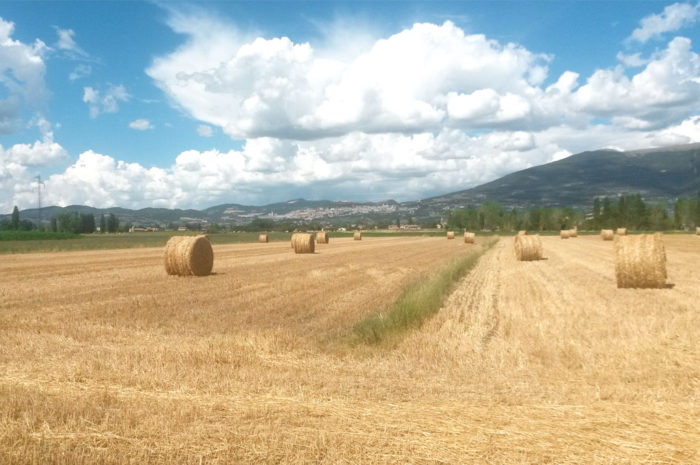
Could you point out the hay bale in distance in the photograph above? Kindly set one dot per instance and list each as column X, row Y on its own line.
column 322, row 237
column 263, row 238
column 528, row 248
column 697, row 230
column 304, row 243
column 189, row 256
column 450, row 234
column 573, row 232
column 469, row 237
column 640, row 261
column 565, row 233
column 357, row 235
column 607, row 234
column 621, row 231
column 522, row 233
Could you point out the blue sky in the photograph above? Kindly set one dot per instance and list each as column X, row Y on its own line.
column 140, row 104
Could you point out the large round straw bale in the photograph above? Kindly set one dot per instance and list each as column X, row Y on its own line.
column 469, row 237
column 528, row 248
column 189, row 256
column 357, row 236
column 262, row 238
column 450, row 234
column 322, row 237
column 522, row 233
column 304, row 243
column 573, row 232
column 565, row 233
column 640, row 261
column 621, row 231
column 697, row 230
column 607, row 234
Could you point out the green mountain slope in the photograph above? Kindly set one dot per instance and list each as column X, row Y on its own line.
column 656, row 174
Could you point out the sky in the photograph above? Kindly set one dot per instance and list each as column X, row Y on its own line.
column 194, row 104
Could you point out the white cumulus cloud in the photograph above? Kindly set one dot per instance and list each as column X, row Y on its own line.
column 80, row 71
column 423, row 78
column 141, row 125
column 278, row 88
column 17, row 169
column 427, row 110
column 205, row 130
column 356, row 166
column 104, row 101
column 66, row 43
column 22, row 72
column 673, row 18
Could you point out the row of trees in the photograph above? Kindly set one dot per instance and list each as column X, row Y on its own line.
column 15, row 223
column 83, row 223
column 629, row 211
column 492, row 216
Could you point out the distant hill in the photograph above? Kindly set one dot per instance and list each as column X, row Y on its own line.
column 657, row 174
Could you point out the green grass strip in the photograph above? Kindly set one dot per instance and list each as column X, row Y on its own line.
column 419, row 300
column 12, row 235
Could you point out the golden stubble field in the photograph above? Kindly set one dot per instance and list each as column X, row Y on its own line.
column 105, row 359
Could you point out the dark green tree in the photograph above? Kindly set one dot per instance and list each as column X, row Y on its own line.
column 103, row 224
column 15, row 218
column 87, row 223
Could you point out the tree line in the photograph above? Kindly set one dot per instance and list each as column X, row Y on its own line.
column 83, row 223
column 626, row 211
column 15, row 223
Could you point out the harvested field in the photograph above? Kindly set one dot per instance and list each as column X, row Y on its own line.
column 106, row 359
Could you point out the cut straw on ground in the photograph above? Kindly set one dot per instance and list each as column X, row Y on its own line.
column 418, row 301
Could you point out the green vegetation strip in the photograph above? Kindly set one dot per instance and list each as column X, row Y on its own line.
column 419, row 300
column 13, row 235
column 46, row 241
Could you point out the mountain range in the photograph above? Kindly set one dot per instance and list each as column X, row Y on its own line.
column 659, row 175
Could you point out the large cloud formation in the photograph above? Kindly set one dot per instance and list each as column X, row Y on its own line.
column 427, row 110
column 422, row 79
column 22, row 73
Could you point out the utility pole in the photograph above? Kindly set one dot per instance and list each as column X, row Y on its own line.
column 38, row 191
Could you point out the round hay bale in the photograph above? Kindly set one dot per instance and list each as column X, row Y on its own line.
column 565, row 233
column 621, row 231
column 697, row 230
column 469, row 237
column 304, row 243
column 450, row 234
column 573, row 232
column 357, row 236
column 263, row 238
column 522, row 233
column 607, row 234
column 640, row 261
column 189, row 256
column 293, row 236
column 528, row 248
column 322, row 237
